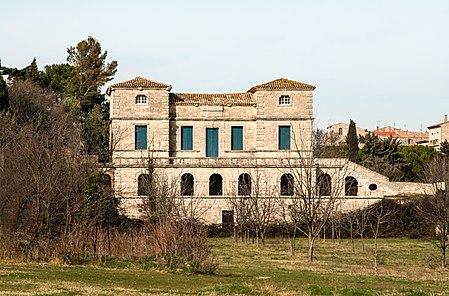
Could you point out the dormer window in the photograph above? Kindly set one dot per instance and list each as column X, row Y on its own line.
column 141, row 99
column 285, row 100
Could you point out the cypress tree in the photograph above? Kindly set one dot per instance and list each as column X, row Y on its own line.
column 4, row 102
column 352, row 143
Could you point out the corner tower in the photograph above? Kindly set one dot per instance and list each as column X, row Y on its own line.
column 284, row 110
column 139, row 114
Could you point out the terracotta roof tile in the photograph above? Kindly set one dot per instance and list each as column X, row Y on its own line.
column 236, row 99
column 437, row 125
column 282, row 84
column 139, row 82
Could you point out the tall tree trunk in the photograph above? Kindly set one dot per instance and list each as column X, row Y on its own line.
column 351, row 235
column 109, row 240
column 376, row 255
column 132, row 243
column 362, row 242
column 293, row 243
column 443, row 245
column 311, row 246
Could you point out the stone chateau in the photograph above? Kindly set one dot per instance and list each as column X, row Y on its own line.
column 212, row 147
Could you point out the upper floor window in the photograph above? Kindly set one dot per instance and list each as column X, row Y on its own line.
column 285, row 100
column 237, row 138
column 141, row 99
column 186, row 137
column 284, row 138
column 212, row 142
column 140, row 137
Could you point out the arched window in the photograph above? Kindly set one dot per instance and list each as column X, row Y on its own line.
column 244, row 186
column 351, row 186
column 323, row 185
column 287, row 184
column 187, row 184
column 215, row 185
column 143, row 184
column 107, row 183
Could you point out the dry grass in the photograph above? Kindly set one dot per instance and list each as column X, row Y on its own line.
column 247, row 270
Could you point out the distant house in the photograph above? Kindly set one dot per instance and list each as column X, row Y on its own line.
column 406, row 138
column 438, row 133
column 336, row 134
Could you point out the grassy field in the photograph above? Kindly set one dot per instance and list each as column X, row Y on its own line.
column 409, row 267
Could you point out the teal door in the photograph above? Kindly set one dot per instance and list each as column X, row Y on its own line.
column 211, row 142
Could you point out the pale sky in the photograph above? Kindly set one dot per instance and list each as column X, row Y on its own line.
column 382, row 62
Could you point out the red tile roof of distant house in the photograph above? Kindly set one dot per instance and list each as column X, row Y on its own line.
column 386, row 134
column 437, row 125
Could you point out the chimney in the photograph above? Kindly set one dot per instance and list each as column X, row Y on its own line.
column 445, row 117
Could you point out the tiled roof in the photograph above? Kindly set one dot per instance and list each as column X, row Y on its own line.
column 236, row 99
column 138, row 82
column 282, row 84
column 386, row 134
column 437, row 125
column 398, row 133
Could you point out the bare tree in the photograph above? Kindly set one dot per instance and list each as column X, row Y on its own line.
column 360, row 219
column 255, row 203
column 434, row 208
column 378, row 214
column 312, row 189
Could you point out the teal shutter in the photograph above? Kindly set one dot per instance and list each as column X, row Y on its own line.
column 237, row 138
column 186, row 138
column 284, row 138
column 141, row 138
column 211, row 142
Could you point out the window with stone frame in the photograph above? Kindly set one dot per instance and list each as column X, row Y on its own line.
column 285, row 100
column 141, row 100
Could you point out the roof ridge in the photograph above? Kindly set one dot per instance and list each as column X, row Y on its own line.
column 282, row 84
column 222, row 99
column 139, row 82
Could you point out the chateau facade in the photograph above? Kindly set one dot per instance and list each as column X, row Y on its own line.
column 212, row 147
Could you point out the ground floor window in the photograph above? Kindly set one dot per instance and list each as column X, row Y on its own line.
column 351, row 186
column 323, row 184
column 244, row 186
column 287, row 184
column 215, row 184
column 187, row 184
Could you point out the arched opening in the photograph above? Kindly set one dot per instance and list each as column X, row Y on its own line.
column 187, row 184
column 143, row 184
column 107, row 183
column 215, row 185
column 324, row 185
column 244, row 187
column 351, row 186
column 287, row 184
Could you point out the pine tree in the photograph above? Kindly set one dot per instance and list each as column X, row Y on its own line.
column 32, row 72
column 444, row 147
column 352, row 143
column 92, row 72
